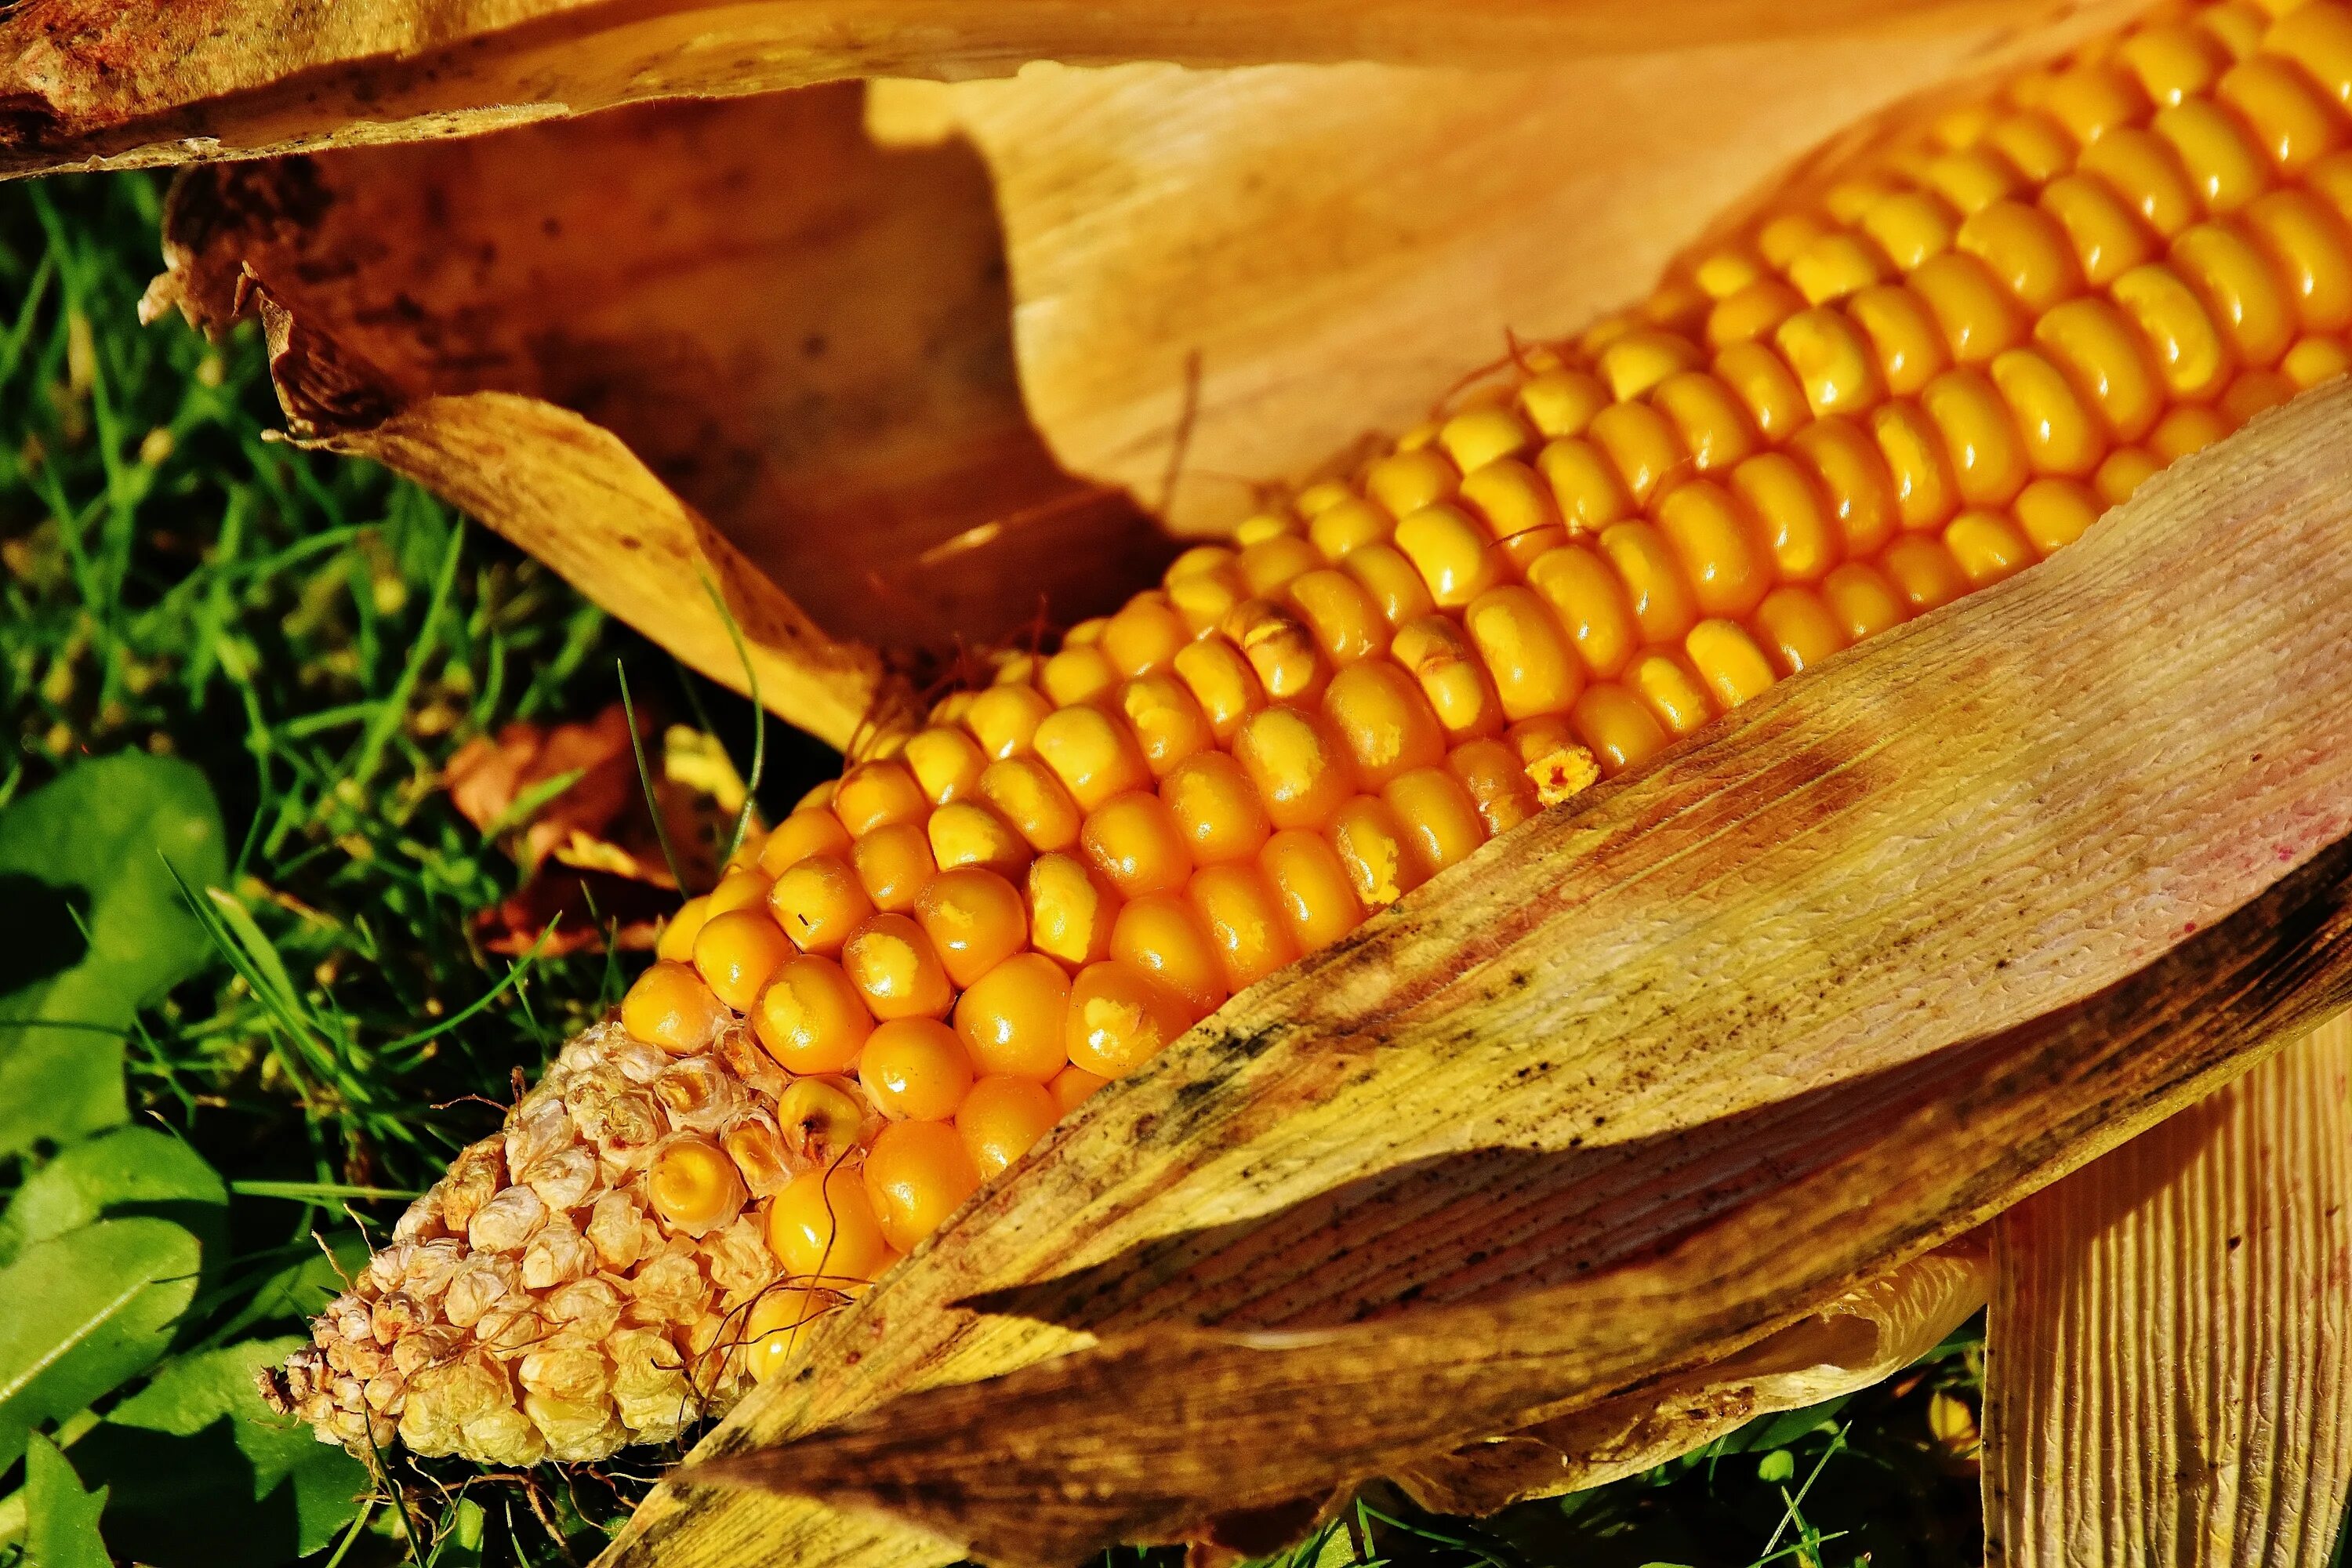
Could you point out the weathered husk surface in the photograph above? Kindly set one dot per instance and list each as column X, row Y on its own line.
column 90, row 82
column 2170, row 1377
column 1643, row 1083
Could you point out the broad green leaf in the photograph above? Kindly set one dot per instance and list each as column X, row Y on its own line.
column 459, row 1544
column 60, row 1517
column 130, row 1171
column 204, row 1474
column 86, row 1312
column 301, row 1289
column 87, row 854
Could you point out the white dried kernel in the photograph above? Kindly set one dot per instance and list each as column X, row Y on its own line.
column 479, row 1283
column 508, row 1221
column 567, row 1178
column 619, row 1231
column 505, row 1437
column 529, row 1139
column 738, row 1261
column 558, row 1255
column 590, row 1309
column 699, row 1094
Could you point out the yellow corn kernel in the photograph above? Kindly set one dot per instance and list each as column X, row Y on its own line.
column 2315, row 359
column 1797, row 629
column 2309, row 244
column 1924, row 572
column 895, row 969
column 1158, row 936
column 820, row 900
column 1835, row 265
column 1216, row 808
column 1371, row 846
column 1904, row 336
column 1340, row 616
column 1119, row 1018
column 1782, row 237
column 1244, row 921
column 1712, row 425
column 975, row 920
column 1526, row 655
column 1144, row 635
column 1204, row 598
column 2141, row 168
column 946, row 763
column 811, row 830
column 917, row 1174
column 1647, row 566
column 811, row 1018
column 1267, row 566
column 1987, row 546
column 1728, row 661
column 1640, row 359
column 1011, row 1019
column 1752, row 313
column 1134, row 842
column 744, row 889
column 1910, row 227
column 2190, row 350
column 1088, row 632
column 1310, row 503
column 2185, row 430
column 2090, row 100
column 1091, row 752
column 2053, row 513
column 915, row 1070
column 1516, row 508
column 822, row 1226
column 875, row 794
column 1552, row 759
column 1497, row 780
column 1971, row 179
column 1640, row 446
column 1977, row 314
column 1002, row 1118
column 1073, row 676
column 1862, row 601
column 1280, row 649
column 675, row 943
column 1979, row 435
column 2318, row 38
column 1004, row 717
column 1395, row 588
column 2125, row 469
column 1310, row 886
column 2252, row 392
column 2033, row 145
column 1070, row 913
column 1028, row 796
column 1587, row 596
column 1854, row 475
column 2026, row 250
column 2237, row 24
column 1765, row 388
column 1480, row 435
column 2062, row 435
column 2101, row 350
column 892, row 863
column 2171, row 61
column 2293, row 121
column 1714, row 540
column 1072, row 1087
column 1672, row 691
column 1782, row 497
column 1222, row 682
column 1351, row 525
column 1435, row 652
column 1387, row 725
column 736, row 951
column 1562, row 401
column 2240, row 290
column 1168, row 724
column 1456, row 557
column 670, row 1006
column 1832, row 362
column 1584, row 485
column 1404, row 482
column 1300, row 768
column 2108, row 237
column 966, row 833
column 1440, row 821
column 2224, row 167
column 1621, row 731
column 1926, row 492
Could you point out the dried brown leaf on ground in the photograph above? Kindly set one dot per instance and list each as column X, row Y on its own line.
column 2168, row 1381
column 84, row 82
column 1884, row 953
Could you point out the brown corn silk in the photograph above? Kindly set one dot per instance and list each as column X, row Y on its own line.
column 595, row 508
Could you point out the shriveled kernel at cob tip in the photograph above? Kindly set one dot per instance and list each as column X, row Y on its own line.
column 1855, row 410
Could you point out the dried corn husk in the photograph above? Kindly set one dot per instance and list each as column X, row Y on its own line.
column 1895, row 899
column 2169, row 1381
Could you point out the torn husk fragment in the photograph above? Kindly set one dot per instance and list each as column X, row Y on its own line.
column 2169, row 1382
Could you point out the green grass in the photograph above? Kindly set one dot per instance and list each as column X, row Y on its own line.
column 314, row 639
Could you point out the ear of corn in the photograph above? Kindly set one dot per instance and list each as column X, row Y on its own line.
column 1858, row 409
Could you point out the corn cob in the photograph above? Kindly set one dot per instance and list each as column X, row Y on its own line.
column 1931, row 374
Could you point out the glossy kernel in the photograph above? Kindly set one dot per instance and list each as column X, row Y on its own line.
column 1299, row 768
column 915, row 1070
column 1243, row 922
column 917, row 1174
column 1118, row 1020
column 1002, row 1118
column 946, row 763
column 1714, row 542
column 1070, row 913
column 1525, row 654
column 806, row 832
column 1387, row 724
column 1311, row 887
column 1728, row 661
column 974, row 919
column 736, row 951
column 811, row 1018
column 1135, row 842
column 1029, row 798
column 892, row 863
column 1092, row 753
column 966, row 833
column 671, row 1007
column 1161, row 937
column 1011, row 1019
column 822, row 1226
column 897, row 970
column 1437, row 654
column 820, row 900
column 1371, row 845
